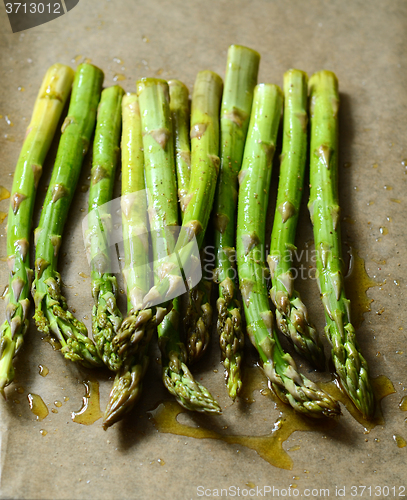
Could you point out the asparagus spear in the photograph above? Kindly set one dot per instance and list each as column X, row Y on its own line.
column 292, row 388
column 205, row 149
column 106, row 316
column 204, row 171
column 241, row 77
column 204, row 156
column 198, row 315
column 291, row 313
column 51, row 310
column 161, row 186
column 127, row 385
column 350, row 365
column 179, row 108
column 162, row 189
column 177, row 377
column 163, row 213
column 49, row 104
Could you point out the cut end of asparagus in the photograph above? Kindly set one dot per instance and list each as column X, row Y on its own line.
column 295, row 72
column 187, row 391
column 144, row 83
column 126, row 391
column 324, row 77
column 178, row 88
column 91, row 68
column 242, row 48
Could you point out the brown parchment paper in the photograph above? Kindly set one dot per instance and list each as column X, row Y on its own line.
column 364, row 43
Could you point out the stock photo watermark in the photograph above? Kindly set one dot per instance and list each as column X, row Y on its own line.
column 267, row 491
column 26, row 15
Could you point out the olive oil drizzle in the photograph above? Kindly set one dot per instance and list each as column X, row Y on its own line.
column 90, row 411
column 37, row 406
column 270, row 446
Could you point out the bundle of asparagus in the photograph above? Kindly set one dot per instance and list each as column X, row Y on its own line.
column 155, row 147
column 133, row 338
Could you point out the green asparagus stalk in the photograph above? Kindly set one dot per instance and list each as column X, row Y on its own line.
column 179, row 108
column 49, row 104
column 198, row 202
column 177, row 377
column 291, row 313
column 205, row 146
column 163, row 213
column 158, row 145
column 106, row 316
column 51, row 310
column 127, row 385
column 350, row 365
column 161, row 186
column 204, row 156
column 198, row 314
column 241, row 77
column 291, row 387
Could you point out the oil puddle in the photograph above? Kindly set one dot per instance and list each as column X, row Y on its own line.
column 37, row 406
column 269, row 447
column 400, row 441
column 382, row 387
column 90, row 411
column 357, row 282
column 118, row 77
column 403, row 404
column 43, row 370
